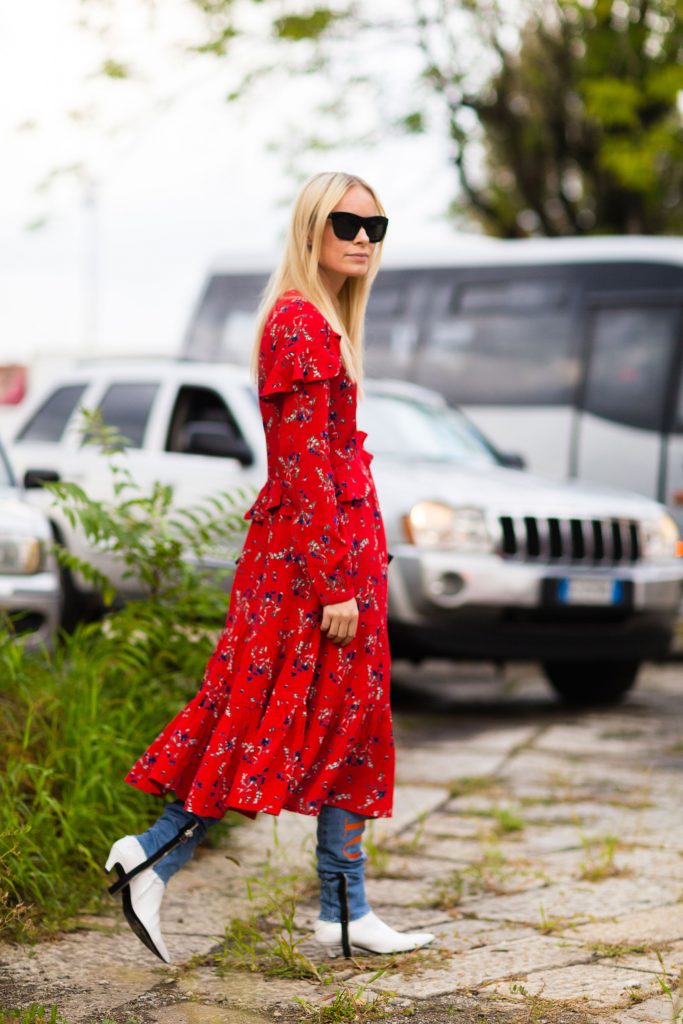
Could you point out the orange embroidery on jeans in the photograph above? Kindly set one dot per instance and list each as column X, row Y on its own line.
column 350, row 827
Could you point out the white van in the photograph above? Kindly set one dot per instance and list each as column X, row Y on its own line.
column 566, row 351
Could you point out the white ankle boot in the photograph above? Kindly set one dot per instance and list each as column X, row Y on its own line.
column 369, row 934
column 142, row 896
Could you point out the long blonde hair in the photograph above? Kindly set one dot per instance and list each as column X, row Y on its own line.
column 299, row 269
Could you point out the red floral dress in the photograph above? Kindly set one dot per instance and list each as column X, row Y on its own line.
column 285, row 717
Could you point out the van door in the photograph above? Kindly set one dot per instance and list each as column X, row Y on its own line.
column 673, row 486
column 630, row 360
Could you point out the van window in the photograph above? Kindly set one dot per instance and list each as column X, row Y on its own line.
column 392, row 322
column 630, row 364
column 127, row 406
column 50, row 419
column 507, row 343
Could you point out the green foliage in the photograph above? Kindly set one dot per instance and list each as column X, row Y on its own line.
column 564, row 115
column 414, row 123
column 74, row 719
column 580, row 123
column 115, row 69
column 296, row 27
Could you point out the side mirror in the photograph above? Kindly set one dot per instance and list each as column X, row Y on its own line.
column 37, row 477
column 513, row 460
column 214, row 440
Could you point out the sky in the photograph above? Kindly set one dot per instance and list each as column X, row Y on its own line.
column 178, row 177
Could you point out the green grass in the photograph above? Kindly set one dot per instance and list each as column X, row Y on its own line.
column 73, row 723
column 36, row 1013
column 73, row 720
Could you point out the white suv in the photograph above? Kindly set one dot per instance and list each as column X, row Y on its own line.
column 489, row 561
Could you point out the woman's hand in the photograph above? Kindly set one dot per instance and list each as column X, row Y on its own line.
column 340, row 621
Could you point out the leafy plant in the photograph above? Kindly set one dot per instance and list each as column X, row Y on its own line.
column 75, row 718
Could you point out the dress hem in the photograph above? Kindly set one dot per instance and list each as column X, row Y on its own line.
column 161, row 789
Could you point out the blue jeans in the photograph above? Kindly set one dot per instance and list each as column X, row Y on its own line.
column 173, row 818
column 338, row 851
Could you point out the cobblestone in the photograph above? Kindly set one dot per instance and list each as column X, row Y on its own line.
column 542, row 847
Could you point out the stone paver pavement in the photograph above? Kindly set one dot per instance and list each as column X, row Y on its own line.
column 544, row 847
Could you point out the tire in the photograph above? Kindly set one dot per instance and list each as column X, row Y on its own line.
column 71, row 604
column 591, row 683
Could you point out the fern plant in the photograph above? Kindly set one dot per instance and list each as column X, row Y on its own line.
column 176, row 561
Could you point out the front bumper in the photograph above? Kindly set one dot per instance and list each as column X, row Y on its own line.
column 34, row 602
column 442, row 603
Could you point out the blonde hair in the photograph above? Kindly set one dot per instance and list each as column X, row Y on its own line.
column 299, row 269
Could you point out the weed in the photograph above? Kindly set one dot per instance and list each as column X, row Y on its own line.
column 610, row 950
column 413, row 844
column 378, row 855
column 621, row 734
column 507, row 820
column 551, row 923
column 675, row 998
column 348, row 1005
column 600, row 859
column 36, row 1013
column 635, row 994
column 487, row 875
column 537, row 1010
column 469, row 784
column 266, row 941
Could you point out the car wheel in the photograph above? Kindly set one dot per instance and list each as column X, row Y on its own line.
column 71, row 604
column 591, row 683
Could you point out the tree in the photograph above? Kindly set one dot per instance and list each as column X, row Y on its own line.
column 564, row 115
column 579, row 123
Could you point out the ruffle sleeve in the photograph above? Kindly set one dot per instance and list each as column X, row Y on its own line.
column 299, row 347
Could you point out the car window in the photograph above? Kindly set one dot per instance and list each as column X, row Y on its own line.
column 412, row 430
column 630, row 363
column 50, row 419
column 195, row 405
column 127, row 406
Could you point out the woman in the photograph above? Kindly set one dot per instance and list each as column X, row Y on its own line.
column 293, row 711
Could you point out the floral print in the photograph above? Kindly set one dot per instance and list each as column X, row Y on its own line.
column 284, row 717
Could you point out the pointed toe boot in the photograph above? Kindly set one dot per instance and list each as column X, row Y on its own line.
column 141, row 894
column 367, row 934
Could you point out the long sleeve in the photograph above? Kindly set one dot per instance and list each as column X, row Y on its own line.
column 301, row 358
column 308, row 483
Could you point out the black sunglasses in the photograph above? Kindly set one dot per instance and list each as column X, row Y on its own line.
column 347, row 225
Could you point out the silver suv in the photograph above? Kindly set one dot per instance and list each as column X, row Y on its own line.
column 489, row 561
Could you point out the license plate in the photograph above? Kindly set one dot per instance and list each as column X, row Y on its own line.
column 578, row 590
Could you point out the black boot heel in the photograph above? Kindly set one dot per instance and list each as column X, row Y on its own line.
column 344, row 916
column 186, row 832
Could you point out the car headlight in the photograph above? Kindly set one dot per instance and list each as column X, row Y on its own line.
column 660, row 539
column 21, row 554
column 434, row 524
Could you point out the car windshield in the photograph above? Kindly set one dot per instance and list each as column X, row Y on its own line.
column 408, row 429
column 5, row 473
